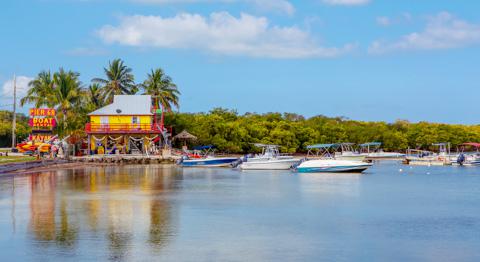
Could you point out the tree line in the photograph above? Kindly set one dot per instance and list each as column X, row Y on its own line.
column 232, row 132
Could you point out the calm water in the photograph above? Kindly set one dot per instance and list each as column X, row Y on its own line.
column 145, row 213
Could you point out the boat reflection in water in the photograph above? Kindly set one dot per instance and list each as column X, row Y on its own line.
column 121, row 205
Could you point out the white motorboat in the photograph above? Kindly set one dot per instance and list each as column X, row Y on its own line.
column 325, row 162
column 270, row 159
column 427, row 158
column 372, row 151
column 467, row 158
column 332, row 166
column 348, row 153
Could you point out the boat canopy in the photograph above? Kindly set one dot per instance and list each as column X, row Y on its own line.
column 204, row 147
column 265, row 145
column 440, row 144
column 346, row 144
column 322, row 146
column 371, row 144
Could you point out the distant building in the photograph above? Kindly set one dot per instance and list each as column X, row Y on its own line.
column 125, row 126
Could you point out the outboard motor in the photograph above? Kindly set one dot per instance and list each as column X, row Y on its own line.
column 294, row 166
column 461, row 159
column 180, row 161
column 237, row 162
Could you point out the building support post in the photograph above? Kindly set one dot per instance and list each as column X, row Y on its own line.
column 105, row 145
column 89, row 145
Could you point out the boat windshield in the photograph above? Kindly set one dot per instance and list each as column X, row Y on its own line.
column 268, row 151
column 370, row 147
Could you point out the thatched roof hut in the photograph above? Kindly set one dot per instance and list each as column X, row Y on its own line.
column 184, row 135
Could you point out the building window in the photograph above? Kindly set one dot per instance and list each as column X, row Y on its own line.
column 104, row 120
column 135, row 120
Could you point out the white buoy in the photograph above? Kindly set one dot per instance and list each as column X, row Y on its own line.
column 400, row 170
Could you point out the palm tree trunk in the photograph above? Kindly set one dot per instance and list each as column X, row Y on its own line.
column 64, row 122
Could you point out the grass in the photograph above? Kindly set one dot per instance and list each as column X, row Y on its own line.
column 15, row 159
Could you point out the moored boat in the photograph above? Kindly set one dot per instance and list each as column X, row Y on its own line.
column 209, row 162
column 325, row 162
column 466, row 158
column 427, row 158
column 203, row 157
column 372, row 151
column 332, row 166
column 270, row 159
column 347, row 152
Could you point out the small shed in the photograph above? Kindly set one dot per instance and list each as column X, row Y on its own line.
column 184, row 135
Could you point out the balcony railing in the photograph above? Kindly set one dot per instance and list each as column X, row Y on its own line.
column 122, row 128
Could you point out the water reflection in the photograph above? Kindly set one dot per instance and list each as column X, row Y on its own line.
column 42, row 206
column 120, row 202
column 172, row 214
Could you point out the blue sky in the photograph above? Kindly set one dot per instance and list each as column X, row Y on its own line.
column 365, row 60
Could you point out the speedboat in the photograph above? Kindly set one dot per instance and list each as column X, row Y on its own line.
column 467, row 158
column 384, row 155
column 209, row 161
column 332, row 166
column 427, row 158
column 372, row 151
column 348, row 153
column 324, row 162
column 203, row 157
column 270, row 159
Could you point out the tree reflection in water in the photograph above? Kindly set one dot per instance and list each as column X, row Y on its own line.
column 120, row 206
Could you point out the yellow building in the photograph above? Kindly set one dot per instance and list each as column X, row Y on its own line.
column 125, row 126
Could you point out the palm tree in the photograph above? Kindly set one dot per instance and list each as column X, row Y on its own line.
column 94, row 96
column 161, row 87
column 67, row 94
column 41, row 89
column 119, row 81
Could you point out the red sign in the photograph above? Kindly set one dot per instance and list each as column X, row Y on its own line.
column 42, row 122
column 42, row 112
column 40, row 138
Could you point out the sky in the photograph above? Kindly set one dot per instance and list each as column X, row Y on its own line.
column 371, row 60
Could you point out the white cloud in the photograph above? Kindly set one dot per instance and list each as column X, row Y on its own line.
column 443, row 31
column 346, row 2
column 403, row 18
column 383, row 21
column 220, row 33
column 283, row 6
column 22, row 86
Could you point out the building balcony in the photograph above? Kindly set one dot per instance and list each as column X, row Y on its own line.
column 122, row 128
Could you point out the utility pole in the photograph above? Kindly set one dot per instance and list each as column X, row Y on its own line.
column 14, row 123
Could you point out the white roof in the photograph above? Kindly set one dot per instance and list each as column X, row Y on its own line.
column 126, row 105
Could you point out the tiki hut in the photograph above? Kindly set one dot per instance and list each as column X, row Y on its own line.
column 184, row 135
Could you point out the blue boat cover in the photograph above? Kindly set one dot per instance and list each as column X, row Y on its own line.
column 320, row 146
column 204, row 147
column 371, row 144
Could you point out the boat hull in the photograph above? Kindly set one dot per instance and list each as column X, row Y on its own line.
column 280, row 164
column 209, row 162
column 332, row 166
column 384, row 155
